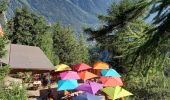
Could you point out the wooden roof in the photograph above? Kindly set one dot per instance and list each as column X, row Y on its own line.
column 26, row 57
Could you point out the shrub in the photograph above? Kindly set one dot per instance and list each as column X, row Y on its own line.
column 13, row 92
column 3, row 72
column 155, row 87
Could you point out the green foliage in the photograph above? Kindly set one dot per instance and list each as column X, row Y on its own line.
column 29, row 29
column 28, row 77
column 46, row 44
column 138, row 46
column 26, row 28
column 3, row 5
column 3, row 42
column 158, row 42
column 119, row 15
column 3, row 72
column 13, row 92
column 149, row 88
column 66, row 46
column 19, row 75
column 150, row 46
column 84, row 53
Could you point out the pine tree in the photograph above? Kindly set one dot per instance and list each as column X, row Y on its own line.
column 46, row 44
column 120, row 14
column 153, row 50
column 26, row 28
column 65, row 45
column 29, row 29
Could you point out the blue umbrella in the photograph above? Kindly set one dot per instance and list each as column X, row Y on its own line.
column 110, row 72
column 67, row 85
column 86, row 96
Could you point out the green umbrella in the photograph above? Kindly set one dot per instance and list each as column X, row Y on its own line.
column 116, row 92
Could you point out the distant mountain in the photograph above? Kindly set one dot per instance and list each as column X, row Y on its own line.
column 76, row 13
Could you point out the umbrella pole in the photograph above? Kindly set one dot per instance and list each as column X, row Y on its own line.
column 98, row 72
column 106, row 98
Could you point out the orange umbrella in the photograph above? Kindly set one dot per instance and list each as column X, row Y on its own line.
column 85, row 75
column 101, row 65
column 111, row 81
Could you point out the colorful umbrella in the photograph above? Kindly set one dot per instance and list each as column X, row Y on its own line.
column 69, row 75
column 86, row 96
column 90, row 87
column 116, row 92
column 110, row 72
column 101, row 65
column 67, row 85
column 111, row 81
column 80, row 67
column 62, row 67
column 85, row 75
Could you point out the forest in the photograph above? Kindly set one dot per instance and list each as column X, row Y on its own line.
column 137, row 48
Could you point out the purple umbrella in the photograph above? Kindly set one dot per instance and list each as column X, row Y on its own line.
column 86, row 96
column 90, row 87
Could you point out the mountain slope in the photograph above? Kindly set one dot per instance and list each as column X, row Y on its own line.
column 75, row 13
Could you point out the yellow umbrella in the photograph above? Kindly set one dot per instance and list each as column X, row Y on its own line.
column 116, row 92
column 62, row 67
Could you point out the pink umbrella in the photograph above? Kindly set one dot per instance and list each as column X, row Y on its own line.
column 90, row 87
column 69, row 75
column 82, row 66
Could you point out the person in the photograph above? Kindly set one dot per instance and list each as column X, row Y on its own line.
column 60, row 95
column 50, row 94
column 44, row 80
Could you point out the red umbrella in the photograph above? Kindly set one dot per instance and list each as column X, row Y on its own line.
column 111, row 81
column 82, row 66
